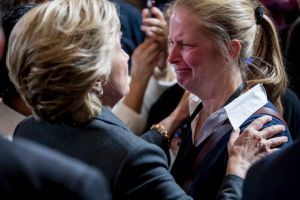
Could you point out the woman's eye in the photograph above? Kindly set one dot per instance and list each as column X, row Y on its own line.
column 186, row 46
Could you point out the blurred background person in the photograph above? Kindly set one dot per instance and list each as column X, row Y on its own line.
column 12, row 107
column 227, row 54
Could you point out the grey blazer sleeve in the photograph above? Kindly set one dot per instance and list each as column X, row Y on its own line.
column 146, row 171
column 231, row 188
column 156, row 138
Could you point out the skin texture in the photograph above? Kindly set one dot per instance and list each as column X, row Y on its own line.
column 252, row 145
column 193, row 55
column 199, row 65
column 118, row 85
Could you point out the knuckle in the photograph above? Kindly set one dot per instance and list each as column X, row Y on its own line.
column 259, row 121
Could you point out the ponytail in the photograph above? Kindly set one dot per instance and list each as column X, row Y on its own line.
column 267, row 66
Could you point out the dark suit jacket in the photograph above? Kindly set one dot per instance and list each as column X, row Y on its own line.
column 291, row 112
column 135, row 168
column 292, row 56
column 276, row 177
column 30, row 171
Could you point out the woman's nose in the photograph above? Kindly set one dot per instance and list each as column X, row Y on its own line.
column 173, row 55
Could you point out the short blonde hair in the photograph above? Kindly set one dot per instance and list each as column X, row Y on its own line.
column 58, row 51
column 260, row 58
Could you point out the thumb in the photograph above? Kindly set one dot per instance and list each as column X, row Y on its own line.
column 233, row 137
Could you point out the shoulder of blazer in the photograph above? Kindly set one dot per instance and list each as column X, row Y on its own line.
column 108, row 117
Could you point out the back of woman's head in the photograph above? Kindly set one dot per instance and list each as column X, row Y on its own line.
column 58, row 51
column 260, row 59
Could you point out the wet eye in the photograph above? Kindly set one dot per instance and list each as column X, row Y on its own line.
column 186, row 46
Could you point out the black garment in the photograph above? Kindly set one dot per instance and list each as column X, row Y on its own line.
column 135, row 168
column 276, row 177
column 165, row 104
column 30, row 171
column 231, row 188
column 291, row 112
column 292, row 56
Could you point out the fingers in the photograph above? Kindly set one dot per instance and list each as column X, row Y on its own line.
column 154, row 31
column 233, row 137
column 157, row 13
column 144, row 50
column 144, row 59
column 145, row 13
column 265, row 147
column 153, row 22
column 258, row 123
column 273, row 150
column 272, row 130
column 155, row 27
column 276, row 141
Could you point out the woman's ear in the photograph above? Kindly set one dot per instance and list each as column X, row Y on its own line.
column 235, row 49
column 98, row 87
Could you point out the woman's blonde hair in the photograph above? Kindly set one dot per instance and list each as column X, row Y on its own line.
column 260, row 58
column 58, row 51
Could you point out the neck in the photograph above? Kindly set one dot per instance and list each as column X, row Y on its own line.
column 216, row 99
column 19, row 105
column 108, row 102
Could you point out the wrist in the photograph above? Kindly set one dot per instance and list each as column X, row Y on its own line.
column 237, row 166
column 171, row 124
column 162, row 131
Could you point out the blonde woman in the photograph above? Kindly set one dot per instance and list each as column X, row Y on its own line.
column 66, row 61
column 227, row 54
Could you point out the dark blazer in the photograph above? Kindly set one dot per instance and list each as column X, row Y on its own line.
column 292, row 56
column 135, row 168
column 276, row 177
column 291, row 112
column 30, row 171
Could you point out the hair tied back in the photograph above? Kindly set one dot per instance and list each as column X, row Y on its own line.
column 259, row 15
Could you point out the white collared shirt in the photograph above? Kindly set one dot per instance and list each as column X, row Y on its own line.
column 236, row 111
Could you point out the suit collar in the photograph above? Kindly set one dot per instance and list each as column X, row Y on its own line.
column 107, row 116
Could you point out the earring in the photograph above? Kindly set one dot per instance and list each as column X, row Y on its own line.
column 100, row 89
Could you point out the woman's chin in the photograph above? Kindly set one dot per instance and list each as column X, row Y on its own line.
column 182, row 83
